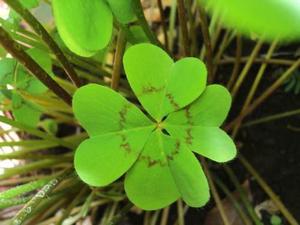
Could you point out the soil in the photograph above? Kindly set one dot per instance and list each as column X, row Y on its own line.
column 273, row 149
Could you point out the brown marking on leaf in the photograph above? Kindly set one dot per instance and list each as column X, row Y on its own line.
column 162, row 162
column 122, row 113
column 125, row 144
column 170, row 97
column 189, row 138
column 188, row 115
column 126, row 147
column 153, row 162
column 151, row 89
column 174, row 152
column 170, row 157
column 123, row 136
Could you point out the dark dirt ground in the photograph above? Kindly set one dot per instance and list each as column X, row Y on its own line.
column 273, row 148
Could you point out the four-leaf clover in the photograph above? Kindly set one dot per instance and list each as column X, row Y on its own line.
column 156, row 152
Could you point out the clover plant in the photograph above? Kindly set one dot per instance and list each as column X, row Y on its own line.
column 86, row 26
column 268, row 19
column 19, row 79
column 155, row 150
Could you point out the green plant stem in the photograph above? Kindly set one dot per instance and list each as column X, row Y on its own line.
column 6, row 203
column 19, row 180
column 31, row 167
column 41, row 31
column 269, row 191
column 73, row 203
column 36, row 132
column 26, row 211
column 16, row 50
column 22, row 189
column 154, row 218
column 234, row 201
column 215, row 30
column 86, row 206
column 237, row 62
column 255, row 85
column 246, row 69
column 283, row 62
column 243, row 195
column 265, row 95
column 180, row 213
column 165, row 216
column 48, row 207
column 215, row 193
column 192, row 14
column 272, row 118
column 172, row 22
column 259, row 75
column 120, row 48
column 222, row 47
column 207, row 43
column 146, row 218
column 183, row 27
column 143, row 22
column 121, row 214
column 163, row 22
column 24, row 37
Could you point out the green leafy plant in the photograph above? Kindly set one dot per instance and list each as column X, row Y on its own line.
column 268, row 19
column 155, row 152
column 152, row 142
column 91, row 29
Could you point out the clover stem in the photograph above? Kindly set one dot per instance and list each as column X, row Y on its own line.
column 41, row 31
column 121, row 43
column 257, row 102
column 163, row 21
column 144, row 24
column 191, row 14
column 73, row 203
column 121, row 214
column 183, row 27
column 207, row 44
column 26, row 211
column 233, row 199
column 237, row 62
column 255, row 85
column 215, row 193
column 246, row 69
column 15, row 49
column 243, row 195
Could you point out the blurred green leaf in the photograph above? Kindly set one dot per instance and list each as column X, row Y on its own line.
column 122, row 10
column 84, row 26
column 268, row 19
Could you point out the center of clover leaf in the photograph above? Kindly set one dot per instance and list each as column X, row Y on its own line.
column 160, row 167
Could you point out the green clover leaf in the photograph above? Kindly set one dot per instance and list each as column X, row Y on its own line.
column 156, row 154
column 167, row 86
column 90, row 30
